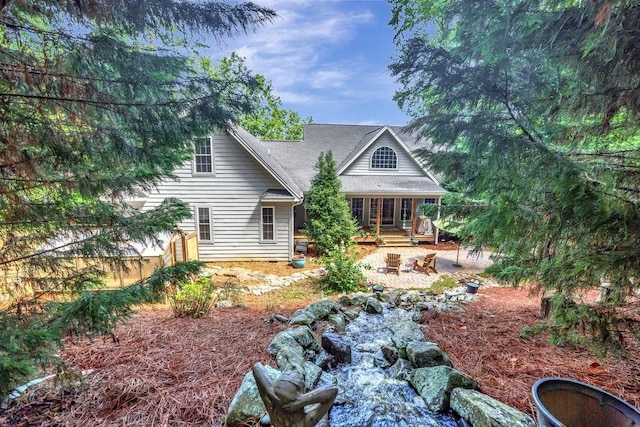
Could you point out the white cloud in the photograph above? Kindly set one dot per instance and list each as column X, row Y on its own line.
column 318, row 57
column 295, row 97
column 296, row 48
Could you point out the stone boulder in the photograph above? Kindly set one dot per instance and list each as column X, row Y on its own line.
column 323, row 360
column 291, row 359
column 338, row 320
column 481, row 410
column 373, row 306
column 359, row 298
column 321, row 309
column 390, row 353
column 406, row 298
column 283, row 340
column 405, row 332
column 435, row 384
column 305, row 337
column 350, row 313
column 335, row 345
column 302, row 317
column 344, row 300
column 312, row 374
column 426, row 354
column 401, row 370
column 247, row 402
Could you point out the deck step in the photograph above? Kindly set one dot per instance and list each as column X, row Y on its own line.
column 396, row 241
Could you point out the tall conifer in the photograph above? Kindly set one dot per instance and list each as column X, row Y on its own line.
column 329, row 222
column 99, row 99
column 535, row 107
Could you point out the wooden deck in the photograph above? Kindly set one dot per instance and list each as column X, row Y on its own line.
column 393, row 238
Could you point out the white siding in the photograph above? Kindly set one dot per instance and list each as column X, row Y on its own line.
column 406, row 165
column 233, row 194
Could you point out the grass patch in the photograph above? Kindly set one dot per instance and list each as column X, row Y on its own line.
column 297, row 294
column 444, row 283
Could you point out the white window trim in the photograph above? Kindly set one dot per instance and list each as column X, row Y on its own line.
column 384, row 169
column 194, row 170
column 262, row 239
column 197, row 218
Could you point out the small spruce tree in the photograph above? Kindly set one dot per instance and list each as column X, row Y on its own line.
column 329, row 222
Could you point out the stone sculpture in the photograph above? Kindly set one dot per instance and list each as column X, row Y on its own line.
column 286, row 403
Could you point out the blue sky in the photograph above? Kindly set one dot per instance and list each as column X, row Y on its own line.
column 327, row 59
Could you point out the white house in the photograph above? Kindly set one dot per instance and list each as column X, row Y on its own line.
column 247, row 194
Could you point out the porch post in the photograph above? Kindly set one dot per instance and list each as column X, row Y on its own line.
column 378, row 216
column 185, row 249
column 439, row 201
column 414, row 208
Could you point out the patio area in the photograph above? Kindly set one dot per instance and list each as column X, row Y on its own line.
column 408, row 278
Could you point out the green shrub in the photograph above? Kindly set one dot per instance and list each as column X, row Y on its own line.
column 228, row 291
column 444, row 283
column 193, row 298
column 344, row 274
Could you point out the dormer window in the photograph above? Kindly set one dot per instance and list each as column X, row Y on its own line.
column 384, row 158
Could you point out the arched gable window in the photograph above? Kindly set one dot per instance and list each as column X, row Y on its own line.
column 384, row 158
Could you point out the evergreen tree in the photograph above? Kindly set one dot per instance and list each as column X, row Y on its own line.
column 535, row 107
column 98, row 99
column 329, row 223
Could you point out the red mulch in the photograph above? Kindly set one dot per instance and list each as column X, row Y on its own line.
column 168, row 371
column 484, row 343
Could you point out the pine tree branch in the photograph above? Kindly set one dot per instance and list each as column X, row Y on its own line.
column 104, row 103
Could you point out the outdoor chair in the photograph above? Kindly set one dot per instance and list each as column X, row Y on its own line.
column 393, row 263
column 428, row 265
column 301, row 246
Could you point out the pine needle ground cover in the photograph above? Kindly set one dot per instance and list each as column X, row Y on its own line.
column 180, row 371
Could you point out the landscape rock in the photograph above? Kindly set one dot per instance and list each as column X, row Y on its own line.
column 373, row 306
column 360, row 298
column 401, row 370
column 426, row 354
column 338, row 320
column 405, row 332
column 344, row 300
column 435, row 384
column 291, row 359
column 335, row 345
column 406, row 298
column 282, row 340
column 305, row 337
column 323, row 359
column 321, row 309
column 351, row 312
column 312, row 374
column 247, row 402
column 481, row 410
column 390, row 353
column 302, row 317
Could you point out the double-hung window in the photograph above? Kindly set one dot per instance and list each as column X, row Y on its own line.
column 204, row 223
column 203, row 161
column 268, row 224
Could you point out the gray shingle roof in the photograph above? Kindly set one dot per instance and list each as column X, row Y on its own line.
column 261, row 153
column 298, row 158
column 389, row 184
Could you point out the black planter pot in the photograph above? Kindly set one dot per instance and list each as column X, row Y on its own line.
column 472, row 287
column 565, row 402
